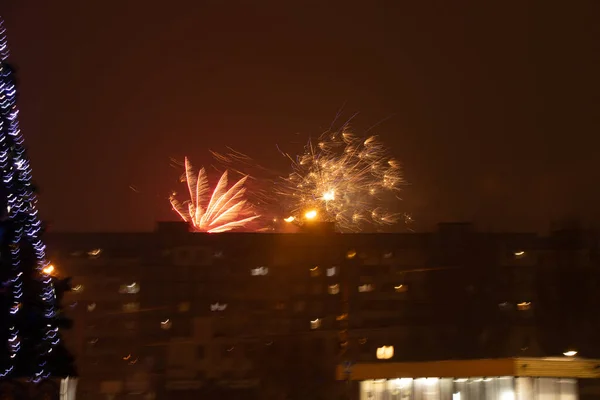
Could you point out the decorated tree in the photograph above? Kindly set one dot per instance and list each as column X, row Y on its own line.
column 30, row 313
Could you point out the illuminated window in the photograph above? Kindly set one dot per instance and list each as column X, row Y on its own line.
column 331, row 271
column 218, row 307
column 333, row 289
column 520, row 254
column 342, row 317
column 132, row 288
column 388, row 255
column 131, row 307
column 524, row 306
column 260, row 271
column 315, row 271
column 94, row 253
column 401, row 288
column 91, row 307
column 78, row 289
column 351, row 254
column 385, row 352
column 315, row 323
column 367, row 287
column 166, row 324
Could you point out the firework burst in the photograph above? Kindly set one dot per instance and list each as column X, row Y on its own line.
column 343, row 179
column 221, row 210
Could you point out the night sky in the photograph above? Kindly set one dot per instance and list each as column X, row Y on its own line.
column 493, row 110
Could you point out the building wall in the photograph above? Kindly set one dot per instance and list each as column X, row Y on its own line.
column 174, row 311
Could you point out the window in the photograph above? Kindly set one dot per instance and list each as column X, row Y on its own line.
column 317, row 288
column 402, row 288
column 367, row 287
column 520, row 254
column 200, row 352
column 91, row 307
column 227, row 351
column 166, row 324
column 218, row 307
column 351, row 254
column 94, row 253
column 78, row 289
column 333, row 289
column 131, row 307
column 315, row 323
column 260, row 271
column 331, row 271
column 132, row 288
column 315, row 272
column 524, row 306
column 299, row 306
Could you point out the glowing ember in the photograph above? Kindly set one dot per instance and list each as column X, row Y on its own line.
column 220, row 211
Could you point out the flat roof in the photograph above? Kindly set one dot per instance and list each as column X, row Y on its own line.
column 559, row 367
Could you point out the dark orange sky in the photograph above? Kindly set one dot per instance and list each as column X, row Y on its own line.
column 494, row 109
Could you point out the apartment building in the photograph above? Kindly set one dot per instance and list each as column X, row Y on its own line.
column 173, row 314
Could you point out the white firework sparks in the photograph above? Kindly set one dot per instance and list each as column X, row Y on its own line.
column 343, row 179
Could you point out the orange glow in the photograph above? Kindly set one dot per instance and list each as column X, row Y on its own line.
column 312, row 214
column 289, row 219
column 49, row 269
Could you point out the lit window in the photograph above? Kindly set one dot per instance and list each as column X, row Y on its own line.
column 315, row 323
column 333, row 289
column 218, row 307
column 132, row 288
column 388, row 255
column 520, row 254
column 367, row 287
column 400, row 288
column 260, row 271
column 94, row 253
column 342, row 317
column 524, row 306
column 351, row 254
column 331, row 271
column 131, row 307
column 362, row 340
column 166, row 324
column 91, row 307
column 78, row 289
column 385, row 352
column 315, row 271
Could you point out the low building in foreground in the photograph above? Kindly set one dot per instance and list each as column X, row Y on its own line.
column 492, row 379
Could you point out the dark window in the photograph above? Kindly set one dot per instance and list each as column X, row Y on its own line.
column 200, row 352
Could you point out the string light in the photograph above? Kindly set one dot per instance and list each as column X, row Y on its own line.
column 23, row 215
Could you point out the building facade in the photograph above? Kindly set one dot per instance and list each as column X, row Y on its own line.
column 173, row 314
